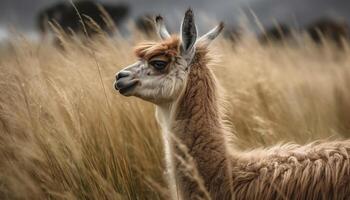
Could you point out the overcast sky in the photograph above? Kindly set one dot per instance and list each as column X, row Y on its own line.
column 21, row 13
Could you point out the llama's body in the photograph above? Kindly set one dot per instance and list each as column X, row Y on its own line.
column 188, row 110
column 320, row 170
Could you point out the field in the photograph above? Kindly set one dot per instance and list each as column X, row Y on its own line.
column 65, row 133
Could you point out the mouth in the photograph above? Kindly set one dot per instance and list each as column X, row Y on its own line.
column 124, row 86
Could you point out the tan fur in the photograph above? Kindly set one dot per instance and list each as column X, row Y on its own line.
column 320, row 170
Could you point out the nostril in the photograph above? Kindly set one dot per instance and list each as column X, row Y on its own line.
column 122, row 74
column 119, row 85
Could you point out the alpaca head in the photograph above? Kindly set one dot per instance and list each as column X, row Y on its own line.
column 161, row 72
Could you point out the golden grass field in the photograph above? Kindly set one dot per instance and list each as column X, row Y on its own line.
column 65, row 133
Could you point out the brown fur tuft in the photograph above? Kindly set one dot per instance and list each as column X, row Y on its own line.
column 169, row 47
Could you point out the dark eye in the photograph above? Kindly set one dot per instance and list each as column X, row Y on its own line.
column 159, row 64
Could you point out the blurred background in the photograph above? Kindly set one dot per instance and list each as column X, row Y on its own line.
column 21, row 15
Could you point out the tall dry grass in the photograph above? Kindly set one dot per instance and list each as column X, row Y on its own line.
column 66, row 134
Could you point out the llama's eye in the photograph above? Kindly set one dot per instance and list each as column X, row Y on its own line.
column 159, row 64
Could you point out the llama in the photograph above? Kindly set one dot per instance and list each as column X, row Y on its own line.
column 174, row 75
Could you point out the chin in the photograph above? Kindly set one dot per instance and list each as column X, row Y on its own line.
column 126, row 94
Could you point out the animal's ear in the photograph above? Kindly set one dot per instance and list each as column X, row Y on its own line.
column 161, row 29
column 188, row 33
column 211, row 35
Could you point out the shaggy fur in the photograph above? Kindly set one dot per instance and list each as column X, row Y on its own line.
column 320, row 170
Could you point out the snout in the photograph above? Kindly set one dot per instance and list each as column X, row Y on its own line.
column 125, row 82
column 122, row 74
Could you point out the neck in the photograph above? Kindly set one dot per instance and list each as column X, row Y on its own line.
column 194, row 135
